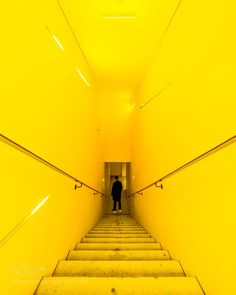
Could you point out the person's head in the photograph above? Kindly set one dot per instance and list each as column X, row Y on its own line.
column 116, row 177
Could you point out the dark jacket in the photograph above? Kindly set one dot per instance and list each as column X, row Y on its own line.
column 116, row 189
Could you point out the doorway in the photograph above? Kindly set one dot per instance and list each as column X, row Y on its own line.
column 122, row 170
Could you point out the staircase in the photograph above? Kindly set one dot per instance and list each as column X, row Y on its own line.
column 118, row 257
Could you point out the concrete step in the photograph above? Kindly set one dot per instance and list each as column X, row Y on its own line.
column 118, row 216
column 118, row 246
column 119, row 228
column 117, row 235
column 118, row 220
column 117, row 224
column 124, row 224
column 114, row 285
column 118, row 255
column 118, row 240
column 118, row 232
column 122, row 215
column 158, row 268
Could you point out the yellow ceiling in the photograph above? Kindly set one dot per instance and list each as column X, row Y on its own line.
column 118, row 50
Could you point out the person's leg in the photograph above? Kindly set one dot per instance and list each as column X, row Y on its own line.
column 119, row 203
column 114, row 205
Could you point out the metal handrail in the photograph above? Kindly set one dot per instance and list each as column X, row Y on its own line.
column 194, row 161
column 24, row 150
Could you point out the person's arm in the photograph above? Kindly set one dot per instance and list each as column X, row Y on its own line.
column 112, row 190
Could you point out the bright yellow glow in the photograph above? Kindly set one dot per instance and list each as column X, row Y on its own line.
column 39, row 205
column 119, row 17
column 58, row 42
column 38, row 68
column 83, row 77
column 197, row 111
column 133, row 105
column 119, row 37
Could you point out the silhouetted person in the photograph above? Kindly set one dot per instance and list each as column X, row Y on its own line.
column 116, row 193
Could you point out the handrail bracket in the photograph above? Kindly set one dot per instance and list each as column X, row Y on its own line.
column 159, row 186
column 78, row 186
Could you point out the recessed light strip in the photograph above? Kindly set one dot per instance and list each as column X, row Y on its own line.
column 119, row 16
column 74, row 34
column 39, row 205
column 83, row 77
column 22, row 222
column 55, row 39
column 58, row 42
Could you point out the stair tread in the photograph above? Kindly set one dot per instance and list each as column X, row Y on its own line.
column 118, row 221
column 118, row 246
column 114, row 226
column 114, row 285
column 118, row 268
column 118, row 235
column 118, row 255
column 117, row 232
column 105, row 229
column 118, row 240
column 118, row 226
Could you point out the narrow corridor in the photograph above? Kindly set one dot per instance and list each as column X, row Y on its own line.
column 140, row 89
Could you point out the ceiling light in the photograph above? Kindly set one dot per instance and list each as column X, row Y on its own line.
column 82, row 77
column 55, row 38
column 58, row 42
column 131, row 16
column 40, row 205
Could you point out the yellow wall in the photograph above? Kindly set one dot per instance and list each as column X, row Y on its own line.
column 46, row 107
column 194, row 217
column 116, row 131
